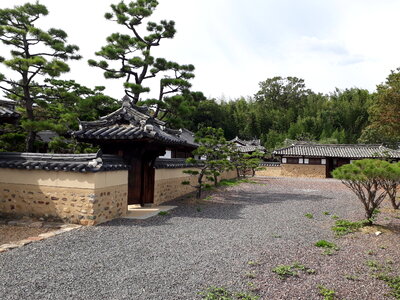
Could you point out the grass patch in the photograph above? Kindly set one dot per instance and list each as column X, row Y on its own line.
column 328, row 294
column 329, row 248
column 326, row 244
column 163, row 213
column 326, row 213
column 277, row 236
column 233, row 182
column 343, row 227
column 308, row 215
column 335, row 217
column 220, row 293
column 393, row 282
column 285, row 271
column 381, row 272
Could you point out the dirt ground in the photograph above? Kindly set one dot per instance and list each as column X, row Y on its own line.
column 10, row 234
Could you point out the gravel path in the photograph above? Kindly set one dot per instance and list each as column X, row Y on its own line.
column 208, row 244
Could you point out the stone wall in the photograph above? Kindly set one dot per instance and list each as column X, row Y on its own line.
column 81, row 198
column 168, row 183
column 302, row 170
column 275, row 171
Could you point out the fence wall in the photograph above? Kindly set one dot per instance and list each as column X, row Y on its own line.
column 168, row 183
column 81, row 198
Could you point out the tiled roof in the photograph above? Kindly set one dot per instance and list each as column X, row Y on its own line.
column 247, row 146
column 246, row 143
column 250, row 148
column 7, row 109
column 130, row 123
column 93, row 162
column 338, row 150
column 173, row 163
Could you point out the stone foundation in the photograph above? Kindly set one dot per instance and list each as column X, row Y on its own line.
column 168, row 183
column 301, row 170
column 80, row 198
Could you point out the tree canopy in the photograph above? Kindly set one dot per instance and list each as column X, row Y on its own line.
column 35, row 55
column 130, row 56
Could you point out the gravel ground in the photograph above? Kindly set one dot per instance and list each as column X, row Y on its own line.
column 199, row 245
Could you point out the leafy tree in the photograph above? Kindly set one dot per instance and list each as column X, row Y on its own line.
column 363, row 177
column 237, row 159
column 384, row 116
column 252, row 162
column 35, row 54
column 132, row 59
column 214, row 151
column 390, row 181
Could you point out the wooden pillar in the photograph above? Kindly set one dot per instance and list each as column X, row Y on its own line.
column 135, row 182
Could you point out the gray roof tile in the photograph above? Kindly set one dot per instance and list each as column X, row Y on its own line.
column 93, row 162
column 132, row 123
column 338, row 150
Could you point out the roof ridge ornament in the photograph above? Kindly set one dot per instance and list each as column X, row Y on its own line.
column 126, row 101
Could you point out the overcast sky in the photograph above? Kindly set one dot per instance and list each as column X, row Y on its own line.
column 235, row 44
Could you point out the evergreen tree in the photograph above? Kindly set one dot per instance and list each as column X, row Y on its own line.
column 35, row 54
column 131, row 58
column 213, row 148
column 384, row 117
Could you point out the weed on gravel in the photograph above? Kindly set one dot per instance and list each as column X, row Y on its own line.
column 220, row 293
column 328, row 247
column 234, row 182
column 382, row 272
column 163, row 213
column 328, row 294
column 285, row 271
column 343, row 227
column 309, row 216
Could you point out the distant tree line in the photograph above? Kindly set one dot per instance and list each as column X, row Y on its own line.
column 284, row 108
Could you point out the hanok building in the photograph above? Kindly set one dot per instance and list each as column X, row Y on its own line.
column 248, row 147
column 174, row 153
column 7, row 112
column 133, row 134
column 319, row 160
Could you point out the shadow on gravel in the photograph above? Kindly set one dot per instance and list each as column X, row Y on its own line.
column 257, row 198
column 203, row 210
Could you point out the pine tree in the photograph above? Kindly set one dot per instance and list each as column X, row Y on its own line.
column 132, row 56
column 35, row 54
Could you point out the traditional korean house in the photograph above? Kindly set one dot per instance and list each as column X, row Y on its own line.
column 133, row 134
column 172, row 153
column 248, row 146
column 7, row 112
column 319, row 160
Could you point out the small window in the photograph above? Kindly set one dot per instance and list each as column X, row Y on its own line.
column 292, row 160
column 301, row 161
column 284, row 160
column 315, row 161
column 306, row 161
column 323, row 161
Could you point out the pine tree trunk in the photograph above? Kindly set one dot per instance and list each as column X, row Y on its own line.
column 199, row 186
column 30, row 140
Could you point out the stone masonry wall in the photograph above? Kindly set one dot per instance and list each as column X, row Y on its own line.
column 301, row 170
column 270, row 171
column 168, row 184
column 71, row 197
